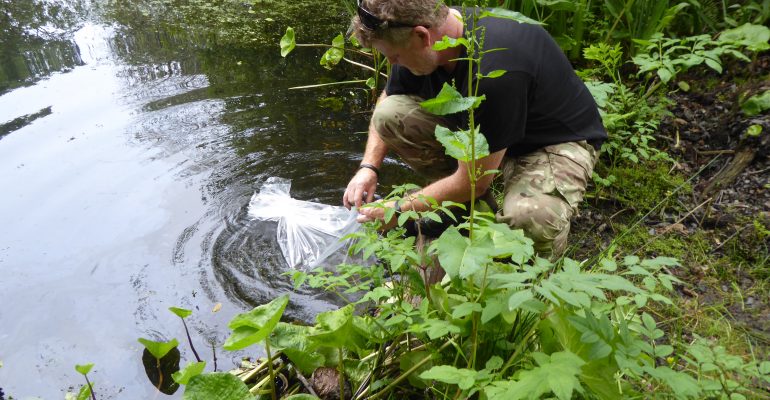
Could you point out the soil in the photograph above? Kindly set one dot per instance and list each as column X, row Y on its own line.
column 706, row 135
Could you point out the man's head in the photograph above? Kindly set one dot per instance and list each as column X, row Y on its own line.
column 400, row 30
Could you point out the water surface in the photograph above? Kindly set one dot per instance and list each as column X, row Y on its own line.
column 127, row 160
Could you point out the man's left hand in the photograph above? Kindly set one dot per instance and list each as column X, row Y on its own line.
column 374, row 212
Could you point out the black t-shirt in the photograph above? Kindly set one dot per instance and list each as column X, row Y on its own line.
column 539, row 100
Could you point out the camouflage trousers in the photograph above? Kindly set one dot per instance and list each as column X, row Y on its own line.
column 542, row 189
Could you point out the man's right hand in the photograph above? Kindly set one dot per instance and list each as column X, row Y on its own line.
column 364, row 183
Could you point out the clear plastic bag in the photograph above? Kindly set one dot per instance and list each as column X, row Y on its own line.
column 308, row 233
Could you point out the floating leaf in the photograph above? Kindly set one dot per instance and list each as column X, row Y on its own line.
column 287, row 42
column 158, row 349
column 160, row 370
column 254, row 326
column 183, row 376
column 216, row 385
column 84, row 369
column 180, row 312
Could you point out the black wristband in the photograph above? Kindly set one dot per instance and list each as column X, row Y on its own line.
column 371, row 167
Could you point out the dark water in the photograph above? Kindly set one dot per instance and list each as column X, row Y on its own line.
column 127, row 160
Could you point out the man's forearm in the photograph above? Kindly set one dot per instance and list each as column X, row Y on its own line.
column 375, row 150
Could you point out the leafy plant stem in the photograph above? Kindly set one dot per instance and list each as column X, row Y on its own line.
column 519, row 348
column 90, row 387
column 406, row 374
column 270, row 369
column 341, row 368
column 189, row 340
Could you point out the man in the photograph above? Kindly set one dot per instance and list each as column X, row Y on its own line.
column 541, row 122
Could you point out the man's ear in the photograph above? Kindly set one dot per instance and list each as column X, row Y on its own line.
column 424, row 35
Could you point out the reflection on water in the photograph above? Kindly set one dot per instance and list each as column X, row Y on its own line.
column 126, row 183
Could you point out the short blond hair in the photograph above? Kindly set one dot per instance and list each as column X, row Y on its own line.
column 411, row 12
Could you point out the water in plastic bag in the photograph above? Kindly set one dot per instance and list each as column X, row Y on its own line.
column 308, row 233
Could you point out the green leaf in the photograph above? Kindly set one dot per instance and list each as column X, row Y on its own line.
column 335, row 328
column 557, row 373
column 180, row 312
column 681, row 383
column 508, row 14
column 334, row 54
column 184, row 375
column 754, row 37
column 254, row 326
column 754, row 130
column 85, row 392
column 755, row 105
column 496, row 73
column 448, row 42
column 518, row 298
column 465, row 309
column 449, row 101
column 158, row 349
column 463, row 378
column 457, row 144
column 84, row 369
column 458, row 257
column 287, row 42
column 216, row 385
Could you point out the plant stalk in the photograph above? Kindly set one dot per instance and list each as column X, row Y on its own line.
column 189, row 340
column 273, row 395
column 90, row 387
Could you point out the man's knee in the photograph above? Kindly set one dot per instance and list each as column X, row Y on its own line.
column 390, row 113
column 544, row 218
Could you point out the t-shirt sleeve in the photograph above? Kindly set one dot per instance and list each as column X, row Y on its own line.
column 502, row 116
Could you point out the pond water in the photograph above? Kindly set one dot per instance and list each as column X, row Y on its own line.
column 127, row 161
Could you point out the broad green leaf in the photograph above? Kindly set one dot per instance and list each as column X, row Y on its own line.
column 287, row 42
column 184, row 375
column 457, row 144
column 465, row 309
column 409, row 360
column 492, row 308
column 334, row 54
column 682, row 384
column 85, row 392
column 518, row 298
column 254, row 326
column 756, row 105
column 559, row 5
column 216, row 385
column 448, row 42
column 557, row 373
column 158, row 349
column 458, row 257
column 449, row 101
column 463, row 378
column 180, row 312
column 335, row 328
column 754, row 37
column 508, row 14
column 84, row 369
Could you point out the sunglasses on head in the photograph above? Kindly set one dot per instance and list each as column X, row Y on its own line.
column 372, row 22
